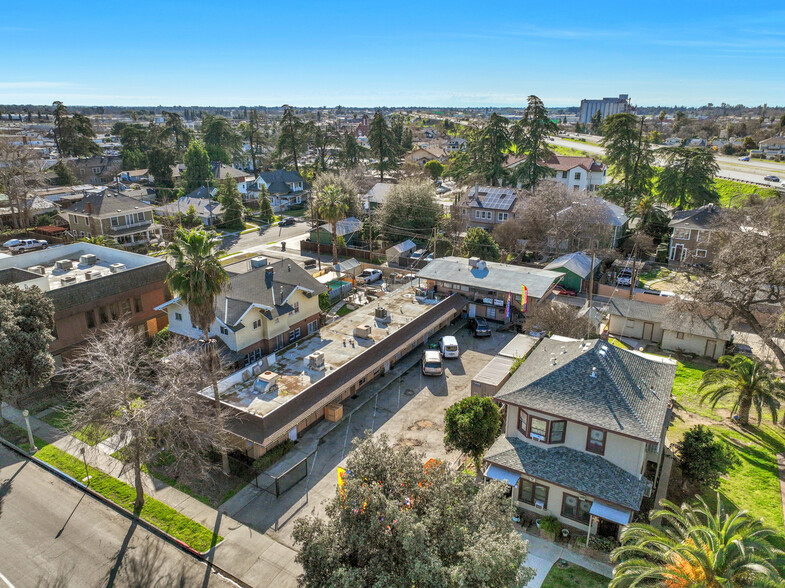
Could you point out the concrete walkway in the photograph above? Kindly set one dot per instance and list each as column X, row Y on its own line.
column 253, row 557
column 543, row 554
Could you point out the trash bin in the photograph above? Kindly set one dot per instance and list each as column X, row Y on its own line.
column 283, row 245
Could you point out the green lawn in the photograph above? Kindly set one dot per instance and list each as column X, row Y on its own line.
column 159, row 514
column 727, row 189
column 58, row 418
column 561, row 150
column 343, row 311
column 573, row 576
column 585, row 142
column 18, row 436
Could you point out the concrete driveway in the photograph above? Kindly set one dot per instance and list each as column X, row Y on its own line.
column 410, row 410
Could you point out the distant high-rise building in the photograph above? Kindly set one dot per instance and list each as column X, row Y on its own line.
column 606, row 106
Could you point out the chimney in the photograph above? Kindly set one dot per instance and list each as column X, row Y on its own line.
column 88, row 207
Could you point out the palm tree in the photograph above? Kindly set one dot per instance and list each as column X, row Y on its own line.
column 748, row 382
column 696, row 546
column 332, row 205
column 198, row 278
column 102, row 240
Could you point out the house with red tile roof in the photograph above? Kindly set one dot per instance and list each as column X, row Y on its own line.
column 577, row 173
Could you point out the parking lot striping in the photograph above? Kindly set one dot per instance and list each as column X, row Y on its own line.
column 346, row 438
column 373, row 419
column 6, row 580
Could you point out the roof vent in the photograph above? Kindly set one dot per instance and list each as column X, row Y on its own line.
column 92, row 274
column 553, row 359
column 473, row 261
column 259, row 261
column 564, row 349
column 116, row 267
column 289, row 267
column 593, row 372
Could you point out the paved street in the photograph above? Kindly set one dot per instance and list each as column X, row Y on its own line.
column 252, row 240
column 53, row 535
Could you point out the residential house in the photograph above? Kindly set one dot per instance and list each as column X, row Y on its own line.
column 32, row 207
column 584, row 435
column 487, row 286
column 285, row 189
column 346, row 228
column 112, row 214
column 208, row 210
column 97, row 170
column 671, row 330
column 690, row 241
column 423, row 155
column 90, row 286
column 261, row 311
column 377, row 196
column 773, row 146
column 455, row 144
column 400, row 251
column 222, row 171
column 577, row 268
column 134, row 175
column 596, row 224
column 577, row 173
column 488, row 206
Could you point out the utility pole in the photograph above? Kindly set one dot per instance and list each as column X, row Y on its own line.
column 315, row 217
column 632, row 275
column 591, row 281
column 370, row 229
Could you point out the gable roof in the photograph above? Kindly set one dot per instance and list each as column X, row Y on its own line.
column 221, row 171
column 629, row 395
column 612, row 214
column 562, row 162
column 205, row 207
column 379, row 192
column 492, row 197
column 703, row 217
column 278, row 181
column 578, row 263
column 343, row 227
column 108, row 203
column 711, row 327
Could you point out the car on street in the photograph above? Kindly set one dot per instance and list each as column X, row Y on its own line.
column 11, row 243
column 745, row 158
column 771, row 179
column 286, row 222
column 432, row 363
column 479, row 327
column 28, row 245
column 559, row 289
column 442, row 190
column 624, row 278
column 369, row 276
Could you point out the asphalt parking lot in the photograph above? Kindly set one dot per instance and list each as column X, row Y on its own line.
column 410, row 410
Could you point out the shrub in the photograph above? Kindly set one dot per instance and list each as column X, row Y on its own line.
column 273, row 455
column 550, row 524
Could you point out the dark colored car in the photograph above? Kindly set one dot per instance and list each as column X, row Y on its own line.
column 558, row 289
column 286, row 222
column 740, row 349
column 479, row 327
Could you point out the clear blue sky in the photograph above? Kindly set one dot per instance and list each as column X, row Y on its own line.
column 374, row 53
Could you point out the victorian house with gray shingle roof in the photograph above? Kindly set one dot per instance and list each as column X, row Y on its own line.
column 584, row 436
column 285, row 189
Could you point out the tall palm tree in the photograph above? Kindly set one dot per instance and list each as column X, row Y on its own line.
column 332, row 204
column 697, row 546
column 198, row 278
column 748, row 382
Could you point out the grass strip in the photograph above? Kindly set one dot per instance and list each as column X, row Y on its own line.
column 155, row 512
column 573, row 576
column 58, row 418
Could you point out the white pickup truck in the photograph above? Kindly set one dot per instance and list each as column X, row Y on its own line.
column 22, row 245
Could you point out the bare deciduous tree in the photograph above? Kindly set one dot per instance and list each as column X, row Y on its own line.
column 560, row 319
column 151, row 403
column 19, row 174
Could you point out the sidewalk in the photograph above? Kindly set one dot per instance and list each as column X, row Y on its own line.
column 253, row 557
column 543, row 554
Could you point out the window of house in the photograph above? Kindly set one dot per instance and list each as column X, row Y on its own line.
column 572, row 507
column 224, row 331
column 557, row 431
column 490, row 313
column 681, row 234
column 538, row 428
column 502, row 216
column 125, row 306
column 533, row 493
column 679, row 335
column 294, row 335
column 73, row 219
column 577, row 175
column 90, row 318
column 257, row 323
column 313, row 326
column 523, row 421
column 295, row 308
column 138, row 304
column 139, row 217
column 115, row 221
column 178, row 316
column 700, row 253
column 595, row 441
column 564, row 175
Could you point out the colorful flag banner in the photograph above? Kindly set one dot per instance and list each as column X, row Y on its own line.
column 509, row 302
column 524, row 298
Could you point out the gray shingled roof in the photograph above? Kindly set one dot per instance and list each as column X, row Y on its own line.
column 255, row 287
column 669, row 318
column 578, row 263
column 629, row 395
column 108, row 203
column 578, row 470
column 704, row 217
column 279, row 179
column 497, row 277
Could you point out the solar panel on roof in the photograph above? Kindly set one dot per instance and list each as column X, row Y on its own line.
column 497, row 198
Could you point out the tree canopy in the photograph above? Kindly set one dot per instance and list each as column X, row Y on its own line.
column 197, row 171
column 702, row 458
column 232, row 202
column 479, row 243
column 471, row 425
column 687, row 179
column 628, row 156
column 383, row 145
column 410, row 211
column 530, row 135
column 73, row 133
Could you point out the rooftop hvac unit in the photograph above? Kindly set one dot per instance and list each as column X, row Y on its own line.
column 259, row 261
column 116, row 267
column 362, row 331
column 64, row 264
column 65, row 280
column 473, row 261
column 92, row 274
column 316, row 360
column 381, row 314
column 265, row 382
column 88, row 259
column 37, row 269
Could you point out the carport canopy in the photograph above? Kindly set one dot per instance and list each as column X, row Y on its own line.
column 494, row 472
column 610, row 513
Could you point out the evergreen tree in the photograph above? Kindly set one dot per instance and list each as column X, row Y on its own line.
column 530, row 136
column 479, row 243
column 383, row 145
column 73, row 133
column 65, row 176
column 628, row 156
column 350, row 153
column 265, row 208
column 596, row 123
column 222, row 142
column 232, row 202
column 197, row 167
column 687, row 180
column 490, row 149
column 160, row 160
column 291, row 141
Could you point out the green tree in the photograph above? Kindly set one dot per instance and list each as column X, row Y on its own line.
column 687, row 180
column 471, row 426
column 232, row 202
column 407, row 140
column 434, row 168
column 102, row 240
column 65, row 177
column 411, row 208
column 291, row 140
column 73, row 133
column 628, row 156
column 26, row 326
column 265, row 208
column 161, row 159
column 252, row 132
column 174, row 131
column 697, row 546
column 222, row 142
column 350, row 151
column 345, row 181
column 134, row 159
column 198, row 278
column 383, row 146
column 332, row 205
column 661, row 117
column 530, row 136
column 197, row 167
column 489, row 148
column 191, row 220
column 747, row 382
column 596, row 123
column 396, row 523
column 479, row 243
column 703, row 460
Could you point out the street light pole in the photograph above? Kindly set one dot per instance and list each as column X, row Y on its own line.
column 26, row 414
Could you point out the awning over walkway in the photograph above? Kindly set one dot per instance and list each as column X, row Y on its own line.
column 496, row 473
column 610, row 513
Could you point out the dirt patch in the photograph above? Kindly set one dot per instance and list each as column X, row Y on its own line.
column 422, row 424
column 406, row 442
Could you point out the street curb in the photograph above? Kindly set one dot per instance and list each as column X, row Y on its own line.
column 129, row 516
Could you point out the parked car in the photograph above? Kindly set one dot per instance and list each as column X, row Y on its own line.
column 12, row 243
column 448, row 345
column 624, row 277
column 369, row 276
column 771, row 179
column 442, row 190
column 745, row 158
column 432, row 363
column 559, row 289
column 740, row 349
column 286, row 222
column 479, row 327
column 28, row 245
column 421, row 254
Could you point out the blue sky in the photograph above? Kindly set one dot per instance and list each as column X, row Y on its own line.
column 394, row 53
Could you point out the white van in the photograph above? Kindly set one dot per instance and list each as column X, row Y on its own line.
column 432, row 363
column 449, row 346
